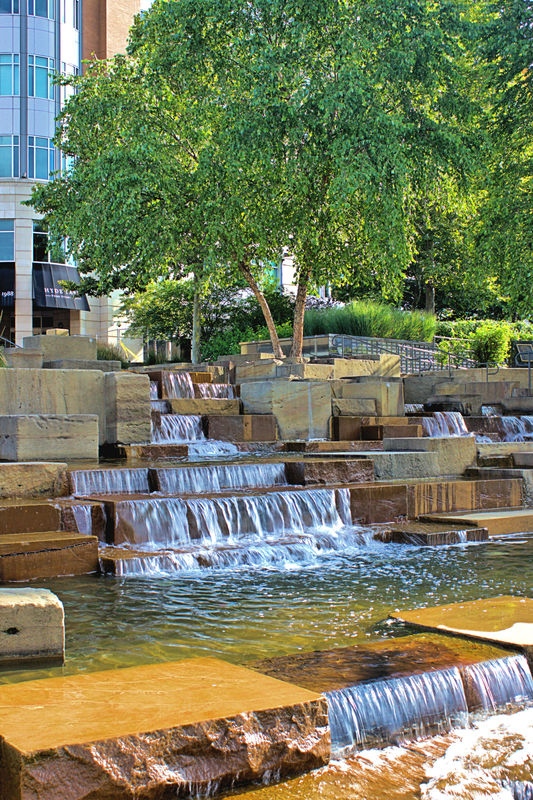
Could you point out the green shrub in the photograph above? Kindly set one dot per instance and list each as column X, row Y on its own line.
column 370, row 319
column 229, row 341
column 108, row 352
column 490, row 342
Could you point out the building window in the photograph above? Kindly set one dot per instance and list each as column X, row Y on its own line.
column 40, row 157
column 41, row 246
column 9, row 74
column 7, row 239
column 9, row 156
column 41, row 8
column 9, row 6
column 41, row 77
column 76, row 14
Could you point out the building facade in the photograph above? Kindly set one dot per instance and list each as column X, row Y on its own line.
column 39, row 38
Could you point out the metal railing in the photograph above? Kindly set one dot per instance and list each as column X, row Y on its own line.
column 8, row 343
column 414, row 356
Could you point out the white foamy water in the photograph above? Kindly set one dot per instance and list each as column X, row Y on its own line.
column 191, row 480
column 489, row 760
column 109, row 481
column 444, row 423
column 177, row 429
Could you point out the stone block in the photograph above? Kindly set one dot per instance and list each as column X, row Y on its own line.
column 378, row 503
column 84, row 517
column 329, row 471
column 201, row 723
column 201, row 377
column 78, row 363
column 18, row 358
column 153, row 452
column 32, row 626
column 43, row 391
column 345, row 428
column 429, row 497
column 59, row 347
column 380, row 432
column 453, row 453
column 386, row 366
column 27, row 517
column 48, row 436
column 302, row 408
column 489, row 449
column 241, row 428
column 393, row 465
column 26, row 557
column 353, row 407
column 32, row 479
column 205, row 405
column 128, row 408
column 387, row 392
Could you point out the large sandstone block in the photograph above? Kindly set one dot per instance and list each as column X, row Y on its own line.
column 346, row 429
column 454, row 453
column 43, row 391
column 48, row 436
column 353, row 407
column 206, row 405
column 32, row 626
column 260, row 370
column 32, row 479
column 27, row 517
column 398, row 465
column 78, row 363
column 241, row 428
column 302, row 408
column 329, row 471
column 378, row 503
column 128, row 408
column 19, row 358
column 57, row 347
column 387, row 392
column 157, row 731
column 442, row 496
column 386, row 366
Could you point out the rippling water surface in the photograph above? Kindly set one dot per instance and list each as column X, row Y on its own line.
column 246, row 614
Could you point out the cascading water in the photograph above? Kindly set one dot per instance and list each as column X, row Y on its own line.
column 517, row 429
column 190, row 480
column 444, row 423
column 109, row 481
column 154, row 390
column 496, row 683
column 178, row 385
column 414, row 408
column 520, row 790
column 215, row 390
column 399, row 708
column 489, row 411
column 177, row 428
column 82, row 513
column 163, row 406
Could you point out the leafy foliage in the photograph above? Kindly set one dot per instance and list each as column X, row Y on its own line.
column 108, row 352
column 371, row 319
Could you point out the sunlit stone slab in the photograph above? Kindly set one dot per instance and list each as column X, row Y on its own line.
column 498, row 522
column 508, row 620
column 165, row 730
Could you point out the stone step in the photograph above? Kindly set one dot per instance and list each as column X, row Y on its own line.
column 524, row 460
column 380, row 432
column 241, row 428
column 33, row 479
column 506, row 620
column 430, row 534
column 48, row 437
column 209, row 405
column 46, row 554
column 28, row 517
column 150, row 748
column 498, row 522
column 400, row 464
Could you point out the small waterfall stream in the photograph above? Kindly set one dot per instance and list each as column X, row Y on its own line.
column 215, row 391
column 109, row 481
column 496, row 683
column 177, row 429
column 517, row 429
column 177, row 385
column 444, row 423
column 392, row 710
column 191, row 480
column 153, row 390
column 83, row 517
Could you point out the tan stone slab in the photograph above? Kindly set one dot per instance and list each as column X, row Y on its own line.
column 498, row 522
column 507, row 620
column 33, row 478
column 453, row 453
column 32, row 625
column 205, row 405
column 76, row 709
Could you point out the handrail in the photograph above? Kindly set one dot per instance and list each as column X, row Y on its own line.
column 9, row 342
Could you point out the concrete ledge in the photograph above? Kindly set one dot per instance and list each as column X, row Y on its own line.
column 400, row 464
column 48, row 436
column 79, row 363
column 503, row 448
column 453, row 454
column 32, row 626
column 59, row 347
column 18, row 358
column 33, row 478
column 202, row 723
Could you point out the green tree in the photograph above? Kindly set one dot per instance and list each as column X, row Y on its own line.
column 234, row 129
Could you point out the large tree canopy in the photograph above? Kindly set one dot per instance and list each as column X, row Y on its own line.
column 233, row 129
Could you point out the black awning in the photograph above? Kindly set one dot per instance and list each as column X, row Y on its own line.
column 7, row 284
column 48, row 291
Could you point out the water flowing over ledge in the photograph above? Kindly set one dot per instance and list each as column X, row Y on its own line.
column 190, row 480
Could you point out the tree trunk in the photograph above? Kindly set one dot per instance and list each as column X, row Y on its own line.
column 430, row 297
column 265, row 308
column 196, row 327
column 299, row 311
